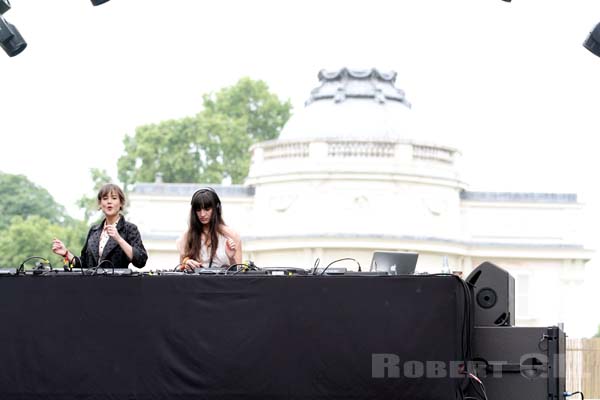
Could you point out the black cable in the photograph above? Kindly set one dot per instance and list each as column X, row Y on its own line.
column 109, row 262
column 177, row 269
column 97, row 267
column 338, row 260
column 567, row 394
column 468, row 322
column 506, row 319
column 22, row 266
column 314, row 271
column 467, row 332
column 236, row 268
column 250, row 266
column 483, row 393
column 72, row 263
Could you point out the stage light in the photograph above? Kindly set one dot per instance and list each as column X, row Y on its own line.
column 592, row 43
column 4, row 6
column 98, row 2
column 11, row 40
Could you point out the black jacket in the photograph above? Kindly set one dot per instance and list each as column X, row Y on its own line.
column 112, row 251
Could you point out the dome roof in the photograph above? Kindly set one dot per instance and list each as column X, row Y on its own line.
column 352, row 104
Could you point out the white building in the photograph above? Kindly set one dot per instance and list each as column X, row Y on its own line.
column 347, row 177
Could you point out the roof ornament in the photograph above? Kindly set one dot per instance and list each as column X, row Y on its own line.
column 342, row 84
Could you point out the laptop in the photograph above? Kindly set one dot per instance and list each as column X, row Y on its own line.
column 394, row 263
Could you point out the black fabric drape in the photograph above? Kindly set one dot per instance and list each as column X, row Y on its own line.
column 225, row 337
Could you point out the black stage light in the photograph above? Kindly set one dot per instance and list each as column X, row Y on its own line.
column 11, row 40
column 98, row 2
column 4, row 6
column 592, row 43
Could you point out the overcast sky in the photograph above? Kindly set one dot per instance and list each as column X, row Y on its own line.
column 509, row 84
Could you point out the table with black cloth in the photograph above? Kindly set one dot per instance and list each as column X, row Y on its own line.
column 226, row 337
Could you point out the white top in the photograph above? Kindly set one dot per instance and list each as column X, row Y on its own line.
column 220, row 258
column 104, row 237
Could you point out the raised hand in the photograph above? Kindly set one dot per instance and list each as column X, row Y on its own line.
column 58, row 247
column 113, row 232
column 230, row 248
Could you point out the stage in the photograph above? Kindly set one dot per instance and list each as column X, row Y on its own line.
column 230, row 337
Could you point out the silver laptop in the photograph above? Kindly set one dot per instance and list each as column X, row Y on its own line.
column 394, row 263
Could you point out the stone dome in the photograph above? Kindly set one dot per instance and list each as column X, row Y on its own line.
column 352, row 104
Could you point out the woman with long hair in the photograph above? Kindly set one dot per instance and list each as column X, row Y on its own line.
column 208, row 242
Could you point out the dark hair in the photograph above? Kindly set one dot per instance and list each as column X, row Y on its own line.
column 204, row 199
column 111, row 188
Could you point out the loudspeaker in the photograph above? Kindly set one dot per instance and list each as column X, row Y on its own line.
column 515, row 363
column 494, row 291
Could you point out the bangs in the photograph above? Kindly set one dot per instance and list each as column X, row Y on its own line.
column 203, row 200
column 109, row 188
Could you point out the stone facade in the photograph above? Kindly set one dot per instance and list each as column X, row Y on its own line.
column 346, row 177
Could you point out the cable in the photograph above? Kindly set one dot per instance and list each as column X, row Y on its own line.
column 236, row 268
column 97, row 267
column 22, row 266
column 249, row 266
column 314, row 271
column 482, row 393
column 468, row 322
column 467, row 332
column 109, row 262
column 177, row 269
column 569, row 394
column 504, row 320
column 338, row 260
column 72, row 263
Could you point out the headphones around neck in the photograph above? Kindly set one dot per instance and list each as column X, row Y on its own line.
column 208, row 189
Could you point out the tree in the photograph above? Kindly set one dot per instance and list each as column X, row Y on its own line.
column 251, row 102
column 597, row 335
column 32, row 236
column 211, row 146
column 29, row 219
column 21, row 197
column 181, row 150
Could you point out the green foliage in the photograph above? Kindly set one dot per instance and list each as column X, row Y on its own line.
column 30, row 219
column 32, row 236
column 181, row 150
column 90, row 203
column 21, row 197
column 597, row 335
column 211, row 146
column 261, row 112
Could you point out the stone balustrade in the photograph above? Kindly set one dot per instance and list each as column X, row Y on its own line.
column 336, row 148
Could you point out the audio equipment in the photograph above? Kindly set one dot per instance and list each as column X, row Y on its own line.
column 494, row 291
column 8, row 271
column 520, row 362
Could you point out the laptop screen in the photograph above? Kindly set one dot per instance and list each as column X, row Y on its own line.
column 394, row 263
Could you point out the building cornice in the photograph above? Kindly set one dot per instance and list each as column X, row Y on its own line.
column 519, row 197
column 550, row 250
